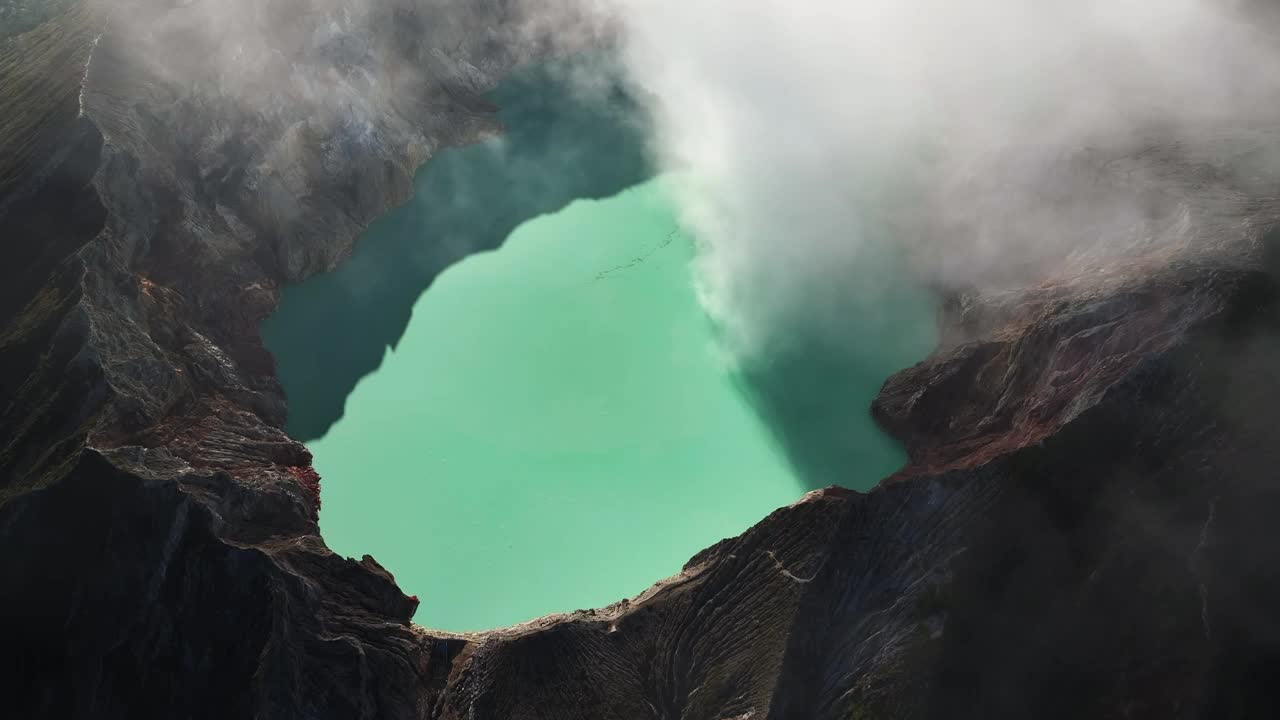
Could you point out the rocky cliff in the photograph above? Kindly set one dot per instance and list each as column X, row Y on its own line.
column 1084, row 529
column 167, row 167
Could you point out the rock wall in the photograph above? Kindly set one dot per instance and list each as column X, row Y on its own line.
column 173, row 165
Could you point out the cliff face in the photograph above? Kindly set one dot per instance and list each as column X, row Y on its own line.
column 160, row 554
column 1083, row 529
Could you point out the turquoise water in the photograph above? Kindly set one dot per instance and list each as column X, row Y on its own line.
column 551, row 425
column 555, row 431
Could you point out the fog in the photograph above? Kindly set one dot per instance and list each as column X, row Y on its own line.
column 819, row 144
column 817, row 147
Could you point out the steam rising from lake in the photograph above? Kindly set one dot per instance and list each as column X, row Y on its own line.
column 821, row 142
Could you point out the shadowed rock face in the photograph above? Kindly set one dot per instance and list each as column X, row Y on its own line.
column 161, row 557
column 1085, row 527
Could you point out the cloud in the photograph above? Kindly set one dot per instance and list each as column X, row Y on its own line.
column 822, row 144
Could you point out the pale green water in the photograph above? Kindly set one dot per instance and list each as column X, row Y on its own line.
column 555, row 430
column 554, row 427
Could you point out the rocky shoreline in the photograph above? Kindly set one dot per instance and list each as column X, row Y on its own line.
column 1084, row 529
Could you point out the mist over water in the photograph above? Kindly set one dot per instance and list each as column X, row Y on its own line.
column 979, row 142
column 807, row 130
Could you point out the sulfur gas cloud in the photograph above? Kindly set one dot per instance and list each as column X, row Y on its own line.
column 820, row 145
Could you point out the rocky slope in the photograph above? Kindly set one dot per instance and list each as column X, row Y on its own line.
column 161, row 556
column 1083, row 530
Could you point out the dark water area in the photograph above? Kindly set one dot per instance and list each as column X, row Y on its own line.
column 559, row 146
column 816, row 389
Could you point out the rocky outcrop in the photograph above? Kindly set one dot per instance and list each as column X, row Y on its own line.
column 1083, row 529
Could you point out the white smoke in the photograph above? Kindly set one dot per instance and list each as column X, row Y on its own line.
column 818, row 140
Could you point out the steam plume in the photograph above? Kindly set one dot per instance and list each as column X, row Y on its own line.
column 822, row 142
